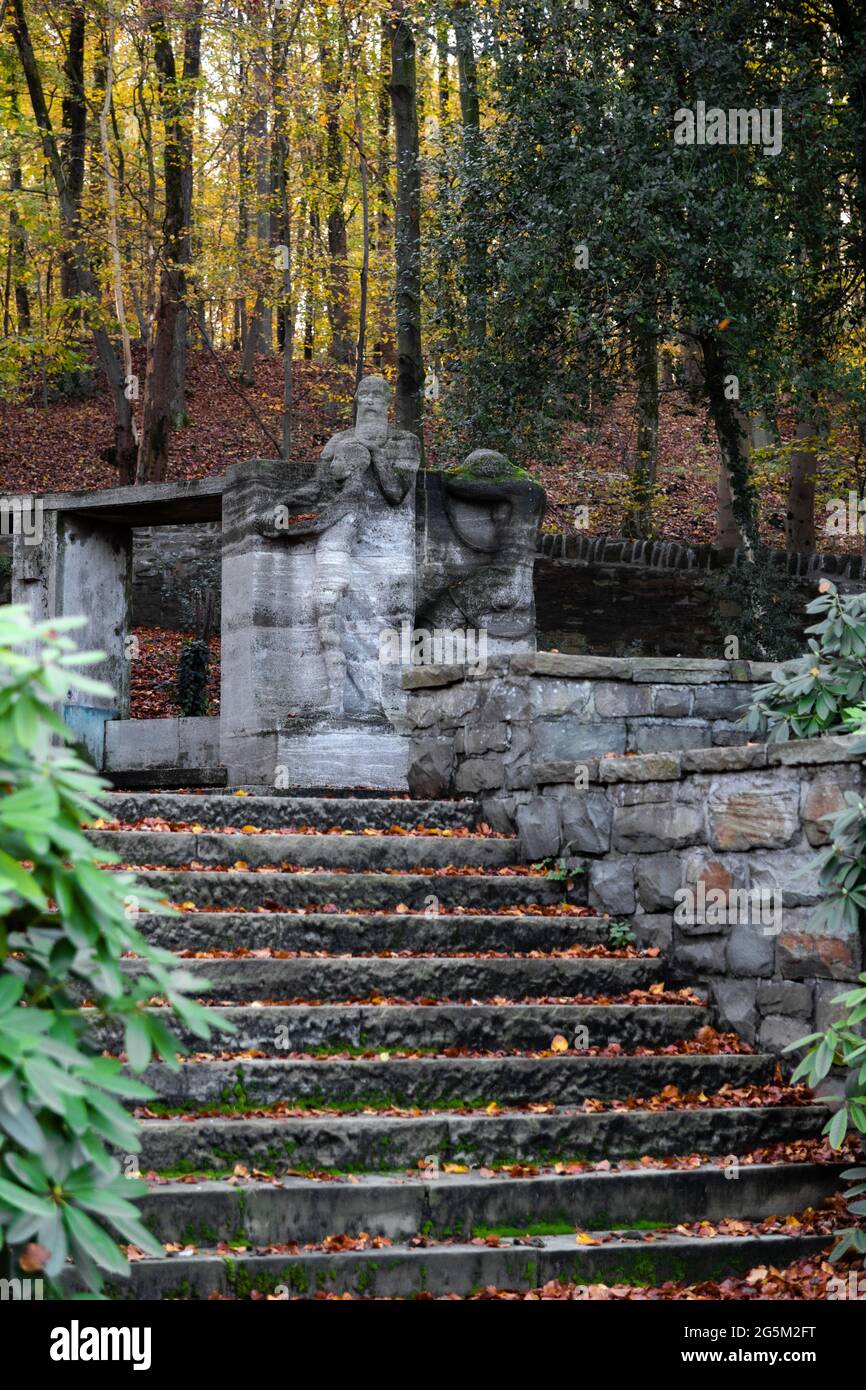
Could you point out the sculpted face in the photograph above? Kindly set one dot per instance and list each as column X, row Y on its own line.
column 371, row 422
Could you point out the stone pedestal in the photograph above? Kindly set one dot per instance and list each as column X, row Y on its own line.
column 306, row 700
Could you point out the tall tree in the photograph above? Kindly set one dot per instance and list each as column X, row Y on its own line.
column 407, row 226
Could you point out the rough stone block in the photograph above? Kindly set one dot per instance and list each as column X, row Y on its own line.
column 616, row 699
column 579, row 667
column 750, row 951
column 785, row 997
column 553, row 697
column 485, row 738
column 720, row 701
column 823, row 797
column 652, row 767
column 480, row 774
column 586, row 822
column 539, row 828
column 663, row 735
column 723, row 734
column 703, row 957
column 735, row 1003
column 834, row 748
column 735, row 759
column 611, row 886
column 778, row 1031
column 653, row 929
column 506, row 700
column 790, row 875
column 570, row 737
column 827, row 1009
column 752, row 811
column 644, row 829
column 658, row 877
column 804, row 951
column 431, row 767
column 670, row 701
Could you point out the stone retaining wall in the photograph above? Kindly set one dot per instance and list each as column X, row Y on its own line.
column 751, row 818
column 487, row 733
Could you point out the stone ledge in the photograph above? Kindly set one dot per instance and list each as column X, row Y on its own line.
column 835, row 748
column 663, row 670
column 671, row 766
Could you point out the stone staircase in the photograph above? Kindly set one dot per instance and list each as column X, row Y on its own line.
column 393, row 1115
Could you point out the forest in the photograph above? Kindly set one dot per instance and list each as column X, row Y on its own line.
column 622, row 242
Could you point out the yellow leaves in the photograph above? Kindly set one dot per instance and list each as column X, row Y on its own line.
column 559, row 1044
column 240, row 864
column 584, row 1238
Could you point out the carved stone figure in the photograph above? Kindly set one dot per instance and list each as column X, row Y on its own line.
column 477, row 534
column 360, row 468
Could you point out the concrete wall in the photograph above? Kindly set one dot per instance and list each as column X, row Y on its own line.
column 145, row 744
column 489, row 733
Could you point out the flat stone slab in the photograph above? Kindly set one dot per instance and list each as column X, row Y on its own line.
column 377, row 891
column 363, row 852
column 399, row 1207
column 344, row 758
column 380, row 1142
column 401, row 1270
column 420, row 1081
column 353, row 977
column 340, row 931
column 281, row 812
column 484, row 1027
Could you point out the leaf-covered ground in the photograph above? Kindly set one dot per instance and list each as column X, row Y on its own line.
column 63, row 446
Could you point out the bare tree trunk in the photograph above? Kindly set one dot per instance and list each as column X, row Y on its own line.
column 475, row 268
column 407, row 239
column 361, row 352
column 384, row 350
column 259, row 336
column 638, row 521
column 338, row 268
column 152, row 463
column 800, row 516
column 16, row 265
column 186, row 104
column 75, row 127
column 113, row 237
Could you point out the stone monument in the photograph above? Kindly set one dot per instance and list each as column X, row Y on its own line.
column 318, row 562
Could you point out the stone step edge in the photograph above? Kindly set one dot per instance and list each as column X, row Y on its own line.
column 460, row 1268
column 379, row 1185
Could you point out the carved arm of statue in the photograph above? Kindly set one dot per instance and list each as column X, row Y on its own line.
column 395, row 475
column 335, row 491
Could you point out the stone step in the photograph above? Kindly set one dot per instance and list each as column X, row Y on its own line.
column 280, row 812
column 361, row 852
column 333, row 932
column 447, row 1205
column 380, row 1142
column 250, row 1083
column 530, row 1027
column 401, row 1271
column 359, row 977
column 353, row 890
